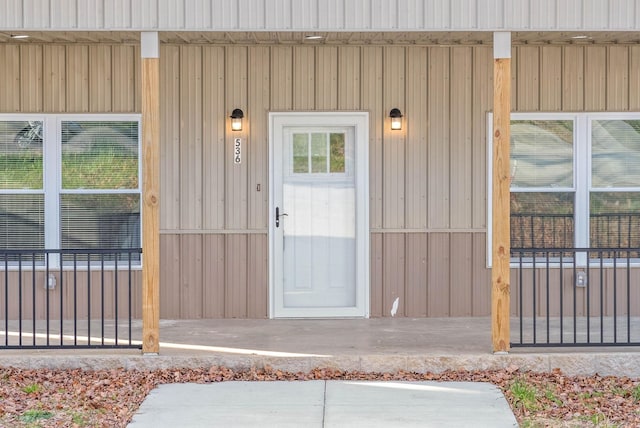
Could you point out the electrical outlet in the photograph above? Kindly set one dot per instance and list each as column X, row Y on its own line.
column 50, row 284
column 581, row 279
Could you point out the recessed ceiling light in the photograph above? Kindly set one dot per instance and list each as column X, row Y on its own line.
column 19, row 36
column 313, row 37
column 580, row 36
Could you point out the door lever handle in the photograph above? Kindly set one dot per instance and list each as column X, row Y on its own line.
column 278, row 215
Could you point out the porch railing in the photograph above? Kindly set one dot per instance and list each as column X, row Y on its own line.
column 617, row 230
column 575, row 297
column 69, row 298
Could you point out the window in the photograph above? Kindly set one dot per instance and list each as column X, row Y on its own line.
column 69, row 182
column 318, row 152
column 575, row 180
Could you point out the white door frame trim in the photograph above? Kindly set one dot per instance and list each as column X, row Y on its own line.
column 360, row 122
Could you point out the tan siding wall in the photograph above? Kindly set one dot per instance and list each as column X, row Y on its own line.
column 482, row 102
column 170, row 139
column 55, row 66
column 427, row 183
column 10, row 78
column 393, row 148
column 557, row 286
column 258, row 154
column 416, row 149
column 437, row 173
column 372, row 102
column 213, row 146
column 551, row 84
column 634, row 78
column 31, row 72
column 22, row 287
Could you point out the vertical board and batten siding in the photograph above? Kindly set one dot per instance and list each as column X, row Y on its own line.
column 74, row 301
column 321, row 15
column 427, row 183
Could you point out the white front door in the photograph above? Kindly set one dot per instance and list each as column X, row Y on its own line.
column 319, row 215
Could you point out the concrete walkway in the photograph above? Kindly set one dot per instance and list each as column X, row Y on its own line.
column 325, row 404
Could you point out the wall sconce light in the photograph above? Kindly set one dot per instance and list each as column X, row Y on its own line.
column 396, row 119
column 236, row 119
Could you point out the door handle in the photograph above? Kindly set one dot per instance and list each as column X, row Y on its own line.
column 278, row 215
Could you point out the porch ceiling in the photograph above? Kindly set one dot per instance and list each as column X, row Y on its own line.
column 330, row 38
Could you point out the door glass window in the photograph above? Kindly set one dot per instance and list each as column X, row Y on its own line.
column 337, row 152
column 318, row 153
column 300, row 153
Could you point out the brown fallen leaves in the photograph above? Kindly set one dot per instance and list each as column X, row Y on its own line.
column 79, row 398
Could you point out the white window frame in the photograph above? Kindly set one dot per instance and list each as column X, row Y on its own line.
column 581, row 187
column 52, row 175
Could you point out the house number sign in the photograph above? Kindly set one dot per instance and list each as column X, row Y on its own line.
column 237, row 151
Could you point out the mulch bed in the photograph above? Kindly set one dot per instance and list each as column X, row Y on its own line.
column 80, row 398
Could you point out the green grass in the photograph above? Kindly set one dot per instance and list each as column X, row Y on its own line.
column 21, row 171
column 635, row 393
column 99, row 170
column 31, row 389
column 106, row 170
column 524, row 395
column 35, row 415
column 78, row 419
column 549, row 395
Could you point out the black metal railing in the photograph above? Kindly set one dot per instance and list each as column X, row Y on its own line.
column 615, row 230
column 575, row 297
column 68, row 298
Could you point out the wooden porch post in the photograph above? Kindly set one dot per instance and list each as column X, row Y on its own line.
column 150, row 192
column 501, row 247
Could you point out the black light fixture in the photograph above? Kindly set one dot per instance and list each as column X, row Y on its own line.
column 396, row 119
column 236, row 119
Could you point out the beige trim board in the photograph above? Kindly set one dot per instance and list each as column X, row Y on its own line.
column 214, row 232
column 484, row 230
column 265, row 231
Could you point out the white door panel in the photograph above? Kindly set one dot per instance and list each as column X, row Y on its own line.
column 319, row 242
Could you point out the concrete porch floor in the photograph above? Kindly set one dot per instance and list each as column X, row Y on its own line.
column 371, row 345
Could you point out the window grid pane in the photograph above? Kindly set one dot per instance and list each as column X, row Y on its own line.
column 615, row 153
column 100, row 221
column 319, row 149
column 542, row 220
column 615, row 219
column 21, row 155
column 300, row 153
column 99, row 155
column 541, row 153
column 337, row 148
column 22, row 221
